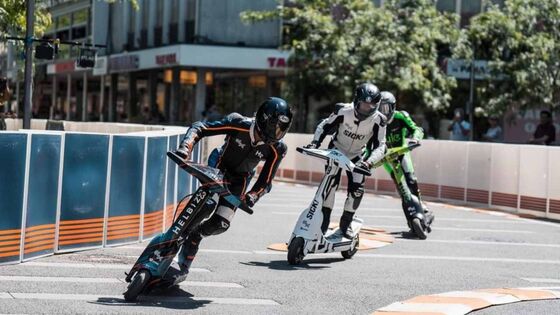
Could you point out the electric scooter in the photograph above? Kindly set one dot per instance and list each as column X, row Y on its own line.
column 307, row 237
column 413, row 209
column 155, row 266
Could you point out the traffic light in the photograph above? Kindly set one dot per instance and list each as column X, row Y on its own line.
column 45, row 51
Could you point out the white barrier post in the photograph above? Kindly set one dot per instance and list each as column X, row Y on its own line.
column 143, row 200
column 107, row 191
column 25, row 196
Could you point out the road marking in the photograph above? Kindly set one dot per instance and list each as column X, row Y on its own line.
column 542, row 280
column 492, row 298
column 462, row 258
column 481, row 243
column 432, row 257
column 60, row 279
column 463, row 302
column 437, row 228
column 401, row 217
column 88, row 266
column 112, row 280
column 119, row 298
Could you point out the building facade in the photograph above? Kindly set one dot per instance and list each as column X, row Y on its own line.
column 167, row 61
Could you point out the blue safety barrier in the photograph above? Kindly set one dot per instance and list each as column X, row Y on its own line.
column 83, row 191
column 58, row 193
column 42, row 197
column 170, row 196
column 125, row 190
column 154, row 192
column 13, row 147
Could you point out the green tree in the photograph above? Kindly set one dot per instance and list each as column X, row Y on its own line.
column 521, row 41
column 337, row 44
column 12, row 17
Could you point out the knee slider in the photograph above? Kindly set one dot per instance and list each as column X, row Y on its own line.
column 214, row 226
column 356, row 190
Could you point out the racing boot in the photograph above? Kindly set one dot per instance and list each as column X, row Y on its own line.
column 187, row 254
column 346, row 224
column 428, row 218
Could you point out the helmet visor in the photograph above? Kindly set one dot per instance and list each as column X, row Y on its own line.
column 387, row 109
column 366, row 108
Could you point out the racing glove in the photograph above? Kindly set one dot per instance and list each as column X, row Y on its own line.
column 313, row 145
column 363, row 164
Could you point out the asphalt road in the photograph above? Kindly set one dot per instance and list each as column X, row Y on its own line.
column 236, row 274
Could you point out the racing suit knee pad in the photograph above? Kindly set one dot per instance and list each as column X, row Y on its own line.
column 355, row 194
column 214, row 226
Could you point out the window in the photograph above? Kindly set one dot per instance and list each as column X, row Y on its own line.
column 80, row 17
column 446, row 5
column 63, row 21
column 469, row 9
column 159, row 13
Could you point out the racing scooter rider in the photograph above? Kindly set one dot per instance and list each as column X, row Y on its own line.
column 353, row 126
column 248, row 141
column 401, row 130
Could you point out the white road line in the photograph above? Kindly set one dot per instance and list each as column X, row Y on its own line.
column 60, row 279
column 463, row 258
column 112, row 280
column 87, row 266
column 437, row 228
column 401, row 217
column 542, row 280
column 417, row 257
column 481, row 243
column 117, row 298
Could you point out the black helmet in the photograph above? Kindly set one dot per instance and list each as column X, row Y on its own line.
column 366, row 93
column 273, row 119
column 387, row 105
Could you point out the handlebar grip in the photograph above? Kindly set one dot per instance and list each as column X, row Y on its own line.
column 362, row 171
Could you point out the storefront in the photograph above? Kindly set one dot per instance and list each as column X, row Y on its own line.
column 178, row 84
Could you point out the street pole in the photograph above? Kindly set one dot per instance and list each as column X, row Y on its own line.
column 30, row 14
column 470, row 107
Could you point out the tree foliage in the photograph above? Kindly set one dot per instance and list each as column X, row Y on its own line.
column 338, row 44
column 522, row 43
column 12, row 17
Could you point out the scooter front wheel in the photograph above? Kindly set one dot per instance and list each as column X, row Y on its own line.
column 295, row 251
column 418, row 228
column 347, row 254
column 137, row 285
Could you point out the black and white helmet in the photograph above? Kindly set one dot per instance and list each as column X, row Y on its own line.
column 388, row 105
column 366, row 100
column 273, row 119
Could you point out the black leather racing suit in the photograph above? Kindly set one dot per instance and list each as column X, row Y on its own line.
column 239, row 157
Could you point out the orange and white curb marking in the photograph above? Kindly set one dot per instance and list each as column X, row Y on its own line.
column 464, row 302
column 370, row 238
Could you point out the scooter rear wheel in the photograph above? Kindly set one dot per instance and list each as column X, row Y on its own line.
column 295, row 251
column 347, row 254
column 137, row 285
column 418, row 228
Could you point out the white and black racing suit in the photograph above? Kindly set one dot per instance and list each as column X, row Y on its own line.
column 349, row 136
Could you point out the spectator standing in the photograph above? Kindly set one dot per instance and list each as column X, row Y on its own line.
column 545, row 132
column 494, row 132
column 460, row 128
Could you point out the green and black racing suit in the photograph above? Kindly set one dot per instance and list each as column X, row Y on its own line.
column 401, row 128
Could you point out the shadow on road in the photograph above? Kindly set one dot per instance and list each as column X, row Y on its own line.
column 405, row 234
column 283, row 264
column 171, row 298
